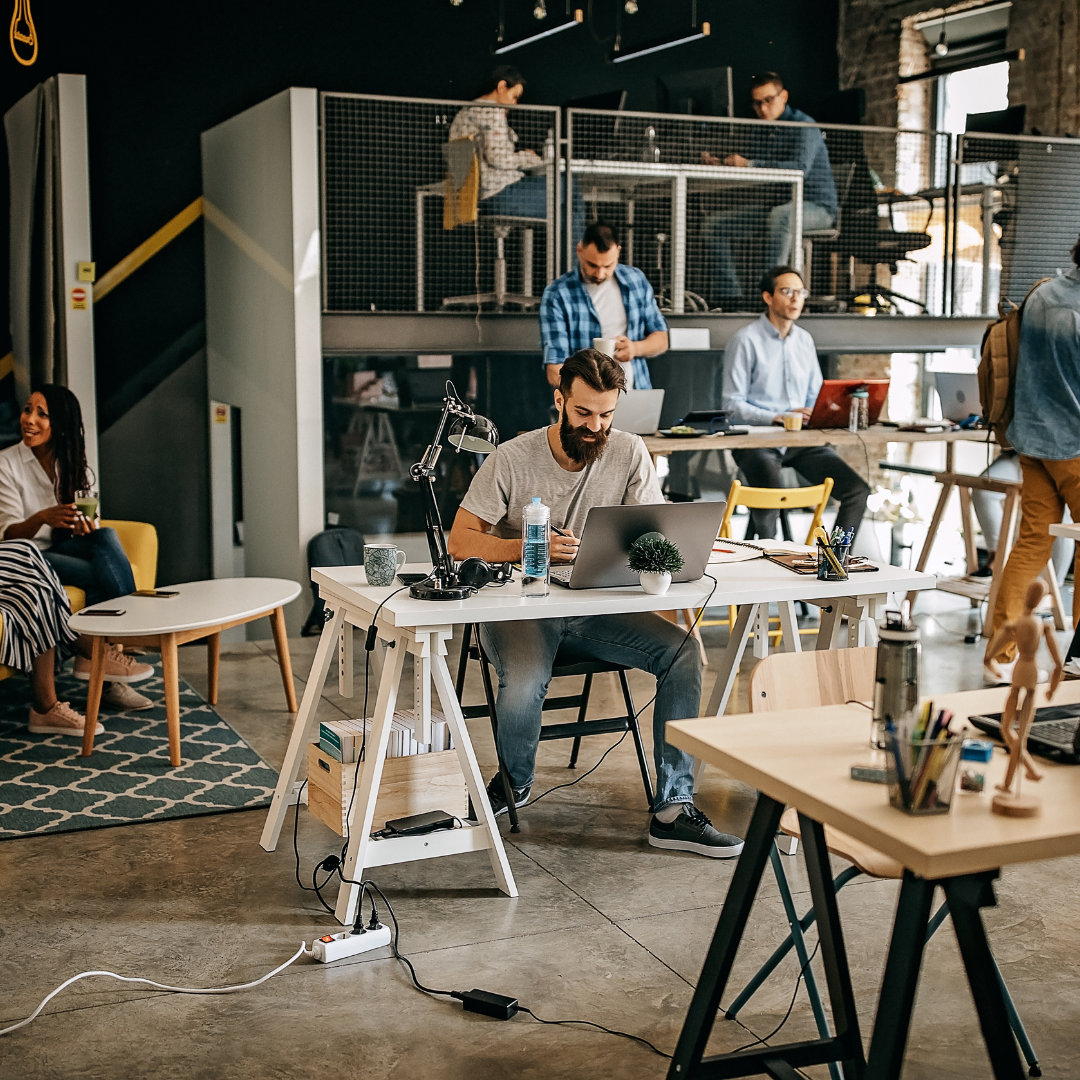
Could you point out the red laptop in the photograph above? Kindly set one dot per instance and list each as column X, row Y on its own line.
column 833, row 405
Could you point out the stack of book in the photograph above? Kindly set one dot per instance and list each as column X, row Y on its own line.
column 342, row 739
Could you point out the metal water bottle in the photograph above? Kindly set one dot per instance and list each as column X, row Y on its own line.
column 896, row 680
column 535, row 548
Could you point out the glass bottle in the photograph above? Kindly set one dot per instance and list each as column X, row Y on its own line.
column 859, row 414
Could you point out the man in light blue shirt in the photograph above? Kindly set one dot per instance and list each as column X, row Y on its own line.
column 1045, row 431
column 770, row 368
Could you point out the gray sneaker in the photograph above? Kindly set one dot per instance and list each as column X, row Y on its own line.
column 692, row 831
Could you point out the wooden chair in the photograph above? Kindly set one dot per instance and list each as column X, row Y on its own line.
column 815, row 497
column 801, row 680
column 563, row 667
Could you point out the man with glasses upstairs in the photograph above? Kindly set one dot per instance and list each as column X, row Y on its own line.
column 771, row 368
column 778, row 144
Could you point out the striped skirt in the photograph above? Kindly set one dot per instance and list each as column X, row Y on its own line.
column 33, row 603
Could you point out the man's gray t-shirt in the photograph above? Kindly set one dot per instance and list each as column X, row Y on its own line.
column 525, row 466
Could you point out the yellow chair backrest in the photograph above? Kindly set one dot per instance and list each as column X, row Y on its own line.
column 140, row 543
column 755, row 498
column 461, row 196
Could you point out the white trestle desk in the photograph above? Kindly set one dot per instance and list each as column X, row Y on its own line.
column 424, row 629
column 801, row 758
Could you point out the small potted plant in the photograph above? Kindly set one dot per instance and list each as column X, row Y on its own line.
column 654, row 558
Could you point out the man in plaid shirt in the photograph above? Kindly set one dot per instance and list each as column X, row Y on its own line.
column 602, row 298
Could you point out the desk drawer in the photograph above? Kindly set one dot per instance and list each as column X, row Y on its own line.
column 410, row 785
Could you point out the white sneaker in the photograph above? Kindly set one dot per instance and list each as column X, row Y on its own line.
column 118, row 696
column 61, row 719
column 1072, row 667
column 119, row 667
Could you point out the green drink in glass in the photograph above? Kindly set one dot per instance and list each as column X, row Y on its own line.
column 86, row 502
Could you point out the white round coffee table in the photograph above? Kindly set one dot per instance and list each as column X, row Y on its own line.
column 202, row 609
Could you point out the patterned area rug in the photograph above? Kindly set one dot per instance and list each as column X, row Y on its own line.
column 45, row 786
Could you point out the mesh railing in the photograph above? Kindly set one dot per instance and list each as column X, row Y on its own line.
column 863, row 210
column 706, row 205
column 385, row 167
column 1017, row 216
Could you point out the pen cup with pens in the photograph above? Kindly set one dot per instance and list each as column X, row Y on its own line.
column 832, row 556
column 921, row 773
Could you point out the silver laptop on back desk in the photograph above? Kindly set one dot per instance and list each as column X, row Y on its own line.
column 610, row 530
column 638, row 411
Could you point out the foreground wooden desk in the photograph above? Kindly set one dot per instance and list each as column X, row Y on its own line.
column 802, row 758
column 424, row 629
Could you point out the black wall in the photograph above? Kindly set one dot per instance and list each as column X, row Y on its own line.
column 153, row 87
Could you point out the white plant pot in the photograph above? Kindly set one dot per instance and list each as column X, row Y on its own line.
column 655, row 583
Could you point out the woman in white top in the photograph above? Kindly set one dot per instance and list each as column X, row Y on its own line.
column 38, row 481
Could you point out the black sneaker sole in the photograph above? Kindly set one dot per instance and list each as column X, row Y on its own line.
column 709, row 850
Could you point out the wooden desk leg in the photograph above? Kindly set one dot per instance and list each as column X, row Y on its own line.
column 305, row 719
column 741, row 893
column 93, row 694
column 281, row 643
column 931, row 533
column 901, row 978
column 170, row 670
column 213, row 666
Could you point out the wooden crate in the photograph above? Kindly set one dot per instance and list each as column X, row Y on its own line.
column 410, row 785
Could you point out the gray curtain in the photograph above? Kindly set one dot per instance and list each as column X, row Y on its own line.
column 37, row 285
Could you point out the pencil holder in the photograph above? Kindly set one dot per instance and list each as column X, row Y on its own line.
column 921, row 773
column 832, row 562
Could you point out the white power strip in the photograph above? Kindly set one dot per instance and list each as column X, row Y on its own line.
column 331, row 947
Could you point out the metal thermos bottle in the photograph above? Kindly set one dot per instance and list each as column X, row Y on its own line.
column 896, row 680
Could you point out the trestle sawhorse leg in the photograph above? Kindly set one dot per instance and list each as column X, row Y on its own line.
column 362, row 851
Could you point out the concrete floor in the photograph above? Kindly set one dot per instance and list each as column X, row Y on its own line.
column 605, row 929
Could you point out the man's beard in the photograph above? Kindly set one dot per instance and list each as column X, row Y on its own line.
column 578, row 449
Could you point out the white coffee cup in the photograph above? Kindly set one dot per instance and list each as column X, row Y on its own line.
column 382, row 562
column 606, row 345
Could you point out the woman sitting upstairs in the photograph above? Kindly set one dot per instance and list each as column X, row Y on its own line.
column 38, row 481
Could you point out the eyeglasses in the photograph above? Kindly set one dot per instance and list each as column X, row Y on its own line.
column 761, row 102
column 790, row 293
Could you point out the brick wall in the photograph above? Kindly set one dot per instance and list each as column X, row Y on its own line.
column 877, row 43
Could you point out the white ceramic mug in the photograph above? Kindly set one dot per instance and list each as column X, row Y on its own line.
column 382, row 562
column 606, row 345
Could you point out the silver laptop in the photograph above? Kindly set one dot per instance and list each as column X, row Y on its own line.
column 959, row 395
column 638, row 411
column 610, row 530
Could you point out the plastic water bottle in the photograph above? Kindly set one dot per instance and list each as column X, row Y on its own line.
column 535, row 551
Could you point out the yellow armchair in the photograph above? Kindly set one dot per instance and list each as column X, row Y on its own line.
column 140, row 543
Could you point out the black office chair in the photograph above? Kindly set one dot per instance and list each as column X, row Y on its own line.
column 862, row 234
column 564, row 667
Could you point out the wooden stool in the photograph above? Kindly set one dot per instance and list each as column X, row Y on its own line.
column 979, row 589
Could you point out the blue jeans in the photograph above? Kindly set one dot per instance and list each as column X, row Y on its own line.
column 523, row 653
column 527, row 197
column 720, row 229
column 95, row 563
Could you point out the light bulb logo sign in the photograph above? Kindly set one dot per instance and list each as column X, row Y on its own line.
column 23, row 35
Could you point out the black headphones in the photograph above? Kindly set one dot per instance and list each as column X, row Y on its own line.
column 476, row 573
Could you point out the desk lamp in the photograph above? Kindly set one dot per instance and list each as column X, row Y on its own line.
column 467, row 432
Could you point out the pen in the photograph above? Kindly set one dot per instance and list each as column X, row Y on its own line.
column 561, row 532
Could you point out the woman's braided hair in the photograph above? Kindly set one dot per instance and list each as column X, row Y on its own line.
column 68, row 441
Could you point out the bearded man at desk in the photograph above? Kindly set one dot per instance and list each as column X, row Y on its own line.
column 770, row 368
column 574, row 464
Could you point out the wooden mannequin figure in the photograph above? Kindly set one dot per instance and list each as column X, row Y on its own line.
column 1026, row 631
